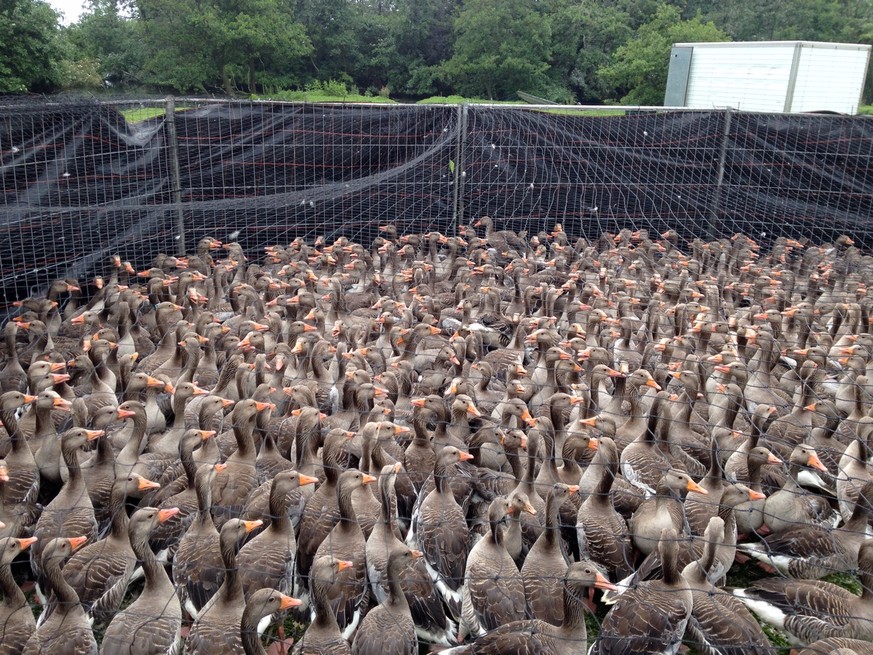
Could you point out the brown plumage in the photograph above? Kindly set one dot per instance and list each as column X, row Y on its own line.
column 668, row 602
column 16, row 618
column 267, row 560
column 152, row 622
column 216, row 628
column 197, row 566
column 67, row 629
column 322, row 635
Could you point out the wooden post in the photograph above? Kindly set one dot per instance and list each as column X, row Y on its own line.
column 175, row 176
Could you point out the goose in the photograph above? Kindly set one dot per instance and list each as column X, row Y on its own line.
column 439, row 530
column 267, row 560
column 791, row 505
column 601, row 531
column 322, row 636
column 809, row 550
column 67, row 629
column 626, row 630
column 643, row 461
column 661, row 511
column 233, row 484
column 493, row 593
column 838, row 646
column 16, row 618
column 719, row 624
column 749, row 515
column 389, row 629
column 166, row 535
column 428, row 614
column 688, row 550
column 216, row 628
column 152, row 623
column 22, row 488
column 349, row 594
column 853, row 467
column 13, row 377
column 321, row 511
column 537, row 636
column 197, row 569
column 808, row 610
column 546, row 563
column 70, row 512
column 262, row 604
column 101, row 571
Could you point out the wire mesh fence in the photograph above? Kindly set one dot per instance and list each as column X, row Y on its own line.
column 81, row 182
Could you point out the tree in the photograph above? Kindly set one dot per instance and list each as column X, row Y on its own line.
column 198, row 44
column 419, row 41
column 638, row 72
column 501, row 47
column 584, row 36
column 31, row 47
column 330, row 27
column 113, row 40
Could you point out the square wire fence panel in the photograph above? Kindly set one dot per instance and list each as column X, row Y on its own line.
column 82, row 181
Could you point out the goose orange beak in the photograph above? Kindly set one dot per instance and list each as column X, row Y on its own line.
column 145, row 485
column 287, row 602
column 816, row 463
column 62, row 403
column 756, row 495
column 77, row 542
column 303, row 480
column 693, row 486
column 24, row 544
column 220, row 467
column 465, row 457
column 772, row 459
column 344, row 564
column 94, row 434
column 252, row 525
column 600, row 582
column 165, row 515
column 593, row 444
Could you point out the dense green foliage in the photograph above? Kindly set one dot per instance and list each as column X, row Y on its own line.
column 588, row 51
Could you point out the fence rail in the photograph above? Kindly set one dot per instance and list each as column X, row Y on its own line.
column 85, row 180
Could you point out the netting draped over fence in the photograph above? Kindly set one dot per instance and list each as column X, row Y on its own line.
column 79, row 183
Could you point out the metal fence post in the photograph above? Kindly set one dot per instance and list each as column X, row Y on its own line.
column 175, row 176
column 713, row 223
column 458, row 175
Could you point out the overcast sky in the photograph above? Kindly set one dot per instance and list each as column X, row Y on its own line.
column 71, row 9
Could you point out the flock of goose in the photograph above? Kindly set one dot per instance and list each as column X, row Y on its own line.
column 464, row 444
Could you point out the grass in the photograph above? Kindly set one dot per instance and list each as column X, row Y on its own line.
column 459, row 100
column 141, row 114
column 866, row 110
column 318, row 96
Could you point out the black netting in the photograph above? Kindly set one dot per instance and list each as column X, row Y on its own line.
column 80, row 183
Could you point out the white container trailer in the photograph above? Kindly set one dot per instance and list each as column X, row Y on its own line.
column 768, row 76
